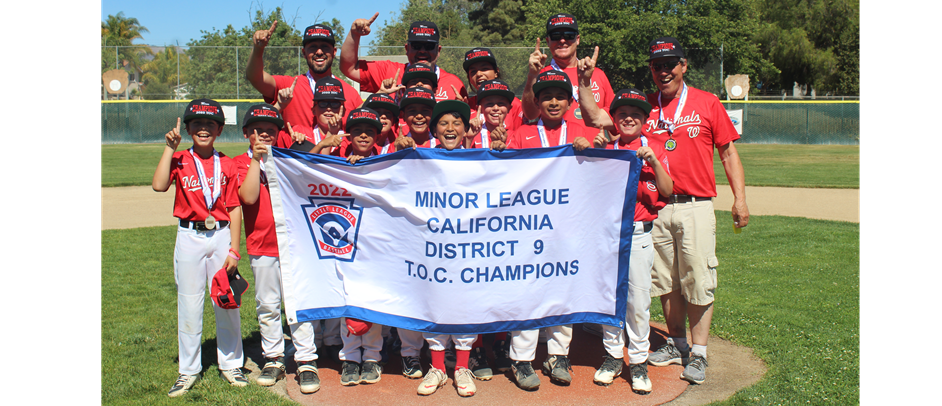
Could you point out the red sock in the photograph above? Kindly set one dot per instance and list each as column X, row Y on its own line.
column 462, row 358
column 476, row 343
column 500, row 336
column 438, row 359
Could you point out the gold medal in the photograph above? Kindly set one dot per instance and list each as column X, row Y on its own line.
column 210, row 222
column 670, row 145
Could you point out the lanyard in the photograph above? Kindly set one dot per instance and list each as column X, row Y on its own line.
column 209, row 197
column 575, row 89
column 485, row 138
column 544, row 141
column 644, row 142
column 671, row 125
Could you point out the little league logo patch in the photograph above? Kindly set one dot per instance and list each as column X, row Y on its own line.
column 334, row 225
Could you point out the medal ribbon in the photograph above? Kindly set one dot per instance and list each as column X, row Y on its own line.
column 545, row 142
column 575, row 89
column 209, row 197
column 680, row 108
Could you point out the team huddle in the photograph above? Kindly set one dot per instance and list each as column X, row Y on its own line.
column 566, row 101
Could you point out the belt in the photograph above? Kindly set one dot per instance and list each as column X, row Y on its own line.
column 201, row 226
column 688, row 199
column 648, row 225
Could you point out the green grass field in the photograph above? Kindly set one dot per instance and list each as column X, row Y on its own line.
column 796, row 304
column 821, row 166
column 789, row 289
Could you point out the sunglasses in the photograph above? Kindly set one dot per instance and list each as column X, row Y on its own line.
column 669, row 65
column 568, row 35
column 423, row 46
column 332, row 104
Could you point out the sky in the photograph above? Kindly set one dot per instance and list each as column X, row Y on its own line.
column 163, row 18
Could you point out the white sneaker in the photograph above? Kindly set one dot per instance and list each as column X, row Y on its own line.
column 435, row 378
column 234, row 376
column 464, row 382
column 183, row 385
column 640, row 383
column 611, row 368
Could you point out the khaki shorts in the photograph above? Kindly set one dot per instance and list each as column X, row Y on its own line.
column 684, row 237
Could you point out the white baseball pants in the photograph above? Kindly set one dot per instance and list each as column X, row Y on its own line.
column 197, row 256
column 638, row 317
column 268, row 298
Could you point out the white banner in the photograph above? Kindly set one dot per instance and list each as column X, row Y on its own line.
column 466, row 241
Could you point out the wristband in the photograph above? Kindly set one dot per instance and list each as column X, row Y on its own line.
column 234, row 254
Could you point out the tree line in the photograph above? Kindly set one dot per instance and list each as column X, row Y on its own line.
column 815, row 43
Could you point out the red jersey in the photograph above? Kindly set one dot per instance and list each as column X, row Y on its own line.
column 601, row 91
column 514, row 118
column 188, row 202
column 703, row 124
column 649, row 199
column 528, row 136
column 372, row 74
column 260, row 237
column 300, row 110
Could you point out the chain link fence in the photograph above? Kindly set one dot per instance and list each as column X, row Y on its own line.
column 179, row 74
column 763, row 122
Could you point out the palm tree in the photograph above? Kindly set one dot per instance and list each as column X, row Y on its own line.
column 160, row 74
column 121, row 31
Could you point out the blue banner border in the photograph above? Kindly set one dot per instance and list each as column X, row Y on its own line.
column 627, row 231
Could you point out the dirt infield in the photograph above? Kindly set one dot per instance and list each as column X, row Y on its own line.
column 731, row 367
column 140, row 206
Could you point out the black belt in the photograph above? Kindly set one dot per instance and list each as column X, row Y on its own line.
column 688, row 199
column 648, row 226
column 201, row 226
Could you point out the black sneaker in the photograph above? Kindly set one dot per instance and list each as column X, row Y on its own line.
column 477, row 363
column 307, row 375
column 611, row 367
column 370, row 372
column 525, row 376
column 411, row 367
column 349, row 373
column 273, row 370
column 502, row 355
column 557, row 367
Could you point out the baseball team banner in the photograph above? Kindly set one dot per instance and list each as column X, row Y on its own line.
column 454, row 242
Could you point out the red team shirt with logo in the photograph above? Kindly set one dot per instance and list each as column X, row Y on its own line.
column 188, row 202
column 372, row 74
column 649, row 199
column 300, row 110
column 703, row 125
column 528, row 136
column 601, row 90
column 260, row 237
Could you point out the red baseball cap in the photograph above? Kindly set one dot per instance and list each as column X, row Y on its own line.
column 357, row 327
column 226, row 290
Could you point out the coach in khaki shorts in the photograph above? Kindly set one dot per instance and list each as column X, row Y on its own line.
column 689, row 123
